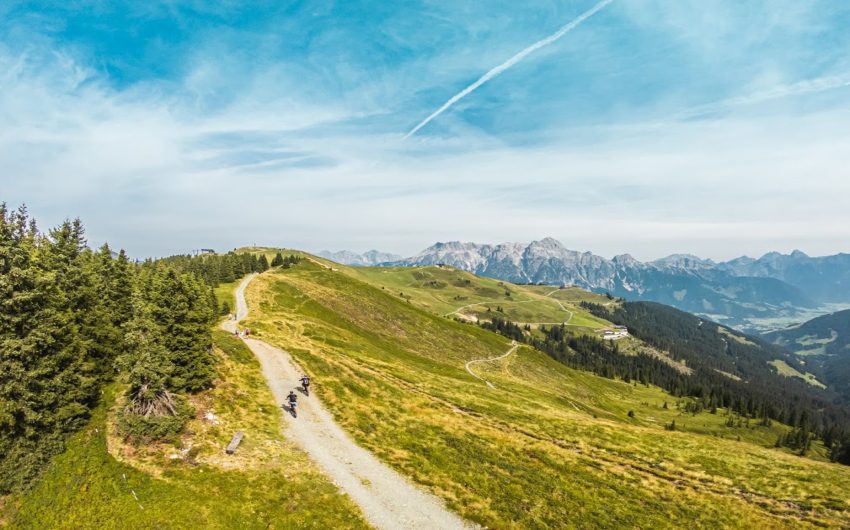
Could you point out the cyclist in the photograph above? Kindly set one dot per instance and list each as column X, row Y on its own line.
column 293, row 401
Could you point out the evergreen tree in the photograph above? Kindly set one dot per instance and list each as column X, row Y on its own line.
column 841, row 451
column 152, row 410
column 263, row 263
column 70, row 316
column 56, row 337
column 180, row 306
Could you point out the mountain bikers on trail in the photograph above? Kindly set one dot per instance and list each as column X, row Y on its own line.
column 305, row 383
column 293, row 401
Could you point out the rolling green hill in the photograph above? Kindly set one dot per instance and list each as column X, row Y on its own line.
column 546, row 445
column 826, row 335
column 456, row 293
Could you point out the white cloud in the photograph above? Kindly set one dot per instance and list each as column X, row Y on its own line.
column 281, row 164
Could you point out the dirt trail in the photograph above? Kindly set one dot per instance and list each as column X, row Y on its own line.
column 472, row 318
column 387, row 499
column 567, row 321
column 514, row 346
column 241, row 305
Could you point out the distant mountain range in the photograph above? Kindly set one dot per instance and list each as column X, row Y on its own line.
column 734, row 292
column 370, row 258
column 826, row 279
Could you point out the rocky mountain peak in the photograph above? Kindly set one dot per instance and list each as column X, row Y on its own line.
column 369, row 258
column 684, row 261
column 626, row 260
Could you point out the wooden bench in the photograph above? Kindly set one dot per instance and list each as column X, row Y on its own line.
column 234, row 443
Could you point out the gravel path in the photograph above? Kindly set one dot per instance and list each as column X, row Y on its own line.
column 387, row 499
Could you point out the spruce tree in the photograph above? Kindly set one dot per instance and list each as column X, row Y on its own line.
column 69, row 316
column 181, row 307
column 152, row 410
column 263, row 263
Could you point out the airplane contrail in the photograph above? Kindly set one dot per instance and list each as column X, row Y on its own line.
column 510, row 62
column 806, row 86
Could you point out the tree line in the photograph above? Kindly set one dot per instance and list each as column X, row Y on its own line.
column 73, row 319
column 216, row 269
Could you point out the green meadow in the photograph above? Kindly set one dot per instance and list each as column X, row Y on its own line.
column 548, row 446
column 455, row 293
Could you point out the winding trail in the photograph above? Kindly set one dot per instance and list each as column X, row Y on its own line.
column 567, row 321
column 514, row 346
column 387, row 499
column 547, row 295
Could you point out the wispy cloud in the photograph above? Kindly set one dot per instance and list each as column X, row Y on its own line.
column 800, row 88
column 493, row 72
column 286, row 131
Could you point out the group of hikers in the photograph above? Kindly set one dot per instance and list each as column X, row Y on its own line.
column 242, row 333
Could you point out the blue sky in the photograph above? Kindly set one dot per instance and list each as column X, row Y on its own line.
column 714, row 127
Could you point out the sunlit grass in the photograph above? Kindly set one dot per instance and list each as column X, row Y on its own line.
column 445, row 290
column 225, row 292
column 787, row 370
column 549, row 446
column 192, row 483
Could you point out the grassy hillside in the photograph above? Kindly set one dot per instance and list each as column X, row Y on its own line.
column 452, row 292
column 825, row 335
column 225, row 292
column 784, row 369
column 99, row 482
column 548, row 446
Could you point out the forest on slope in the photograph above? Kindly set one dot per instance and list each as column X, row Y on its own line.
column 73, row 319
column 733, row 370
column 823, row 347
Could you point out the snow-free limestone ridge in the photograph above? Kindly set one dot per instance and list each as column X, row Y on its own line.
column 367, row 259
column 387, row 499
column 683, row 281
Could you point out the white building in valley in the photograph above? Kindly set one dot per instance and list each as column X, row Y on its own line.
column 619, row 332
